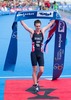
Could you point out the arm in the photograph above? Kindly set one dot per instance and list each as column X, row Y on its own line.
column 26, row 27
column 48, row 26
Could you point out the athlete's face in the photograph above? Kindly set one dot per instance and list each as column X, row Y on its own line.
column 38, row 26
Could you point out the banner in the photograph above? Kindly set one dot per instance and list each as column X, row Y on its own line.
column 12, row 50
column 59, row 49
column 60, row 37
column 37, row 14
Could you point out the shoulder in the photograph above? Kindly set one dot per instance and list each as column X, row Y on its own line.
column 32, row 33
column 42, row 32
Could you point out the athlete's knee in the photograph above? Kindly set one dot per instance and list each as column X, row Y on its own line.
column 34, row 69
column 41, row 69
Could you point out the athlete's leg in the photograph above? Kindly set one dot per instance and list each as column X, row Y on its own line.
column 34, row 64
column 34, row 75
column 41, row 64
column 41, row 70
column 36, row 87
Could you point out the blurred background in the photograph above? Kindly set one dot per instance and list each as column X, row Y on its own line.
column 11, row 6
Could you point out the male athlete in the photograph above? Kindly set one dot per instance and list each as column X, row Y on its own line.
column 37, row 56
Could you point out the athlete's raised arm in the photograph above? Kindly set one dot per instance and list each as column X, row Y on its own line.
column 26, row 27
column 48, row 26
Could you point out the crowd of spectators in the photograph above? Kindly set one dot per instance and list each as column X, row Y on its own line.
column 24, row 5
column 12, row 7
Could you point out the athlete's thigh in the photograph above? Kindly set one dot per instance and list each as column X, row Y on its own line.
column 41, row 59
column 33, row 59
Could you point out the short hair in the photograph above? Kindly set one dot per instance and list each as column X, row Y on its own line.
column 37, row 21
column 54, row 2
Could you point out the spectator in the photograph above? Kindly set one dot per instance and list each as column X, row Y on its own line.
column 55, row 6
column 46, row 5
column 4, row 8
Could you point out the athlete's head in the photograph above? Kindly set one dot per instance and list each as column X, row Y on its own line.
column 54, row 2
column 37, row 24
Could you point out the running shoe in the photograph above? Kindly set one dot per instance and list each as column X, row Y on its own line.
column 36, row 88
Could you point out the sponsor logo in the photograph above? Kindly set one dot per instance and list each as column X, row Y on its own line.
column 61, row 27
column 58, row 67
column 59, row 55
column 60, row 40
column 14, row 35
column 25, row 14
column 44, row 14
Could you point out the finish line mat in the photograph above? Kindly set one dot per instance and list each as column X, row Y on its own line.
column 22, row 89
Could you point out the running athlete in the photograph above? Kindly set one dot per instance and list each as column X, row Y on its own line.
column 37, row 56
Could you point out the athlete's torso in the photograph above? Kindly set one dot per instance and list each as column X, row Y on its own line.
column 37, row 40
